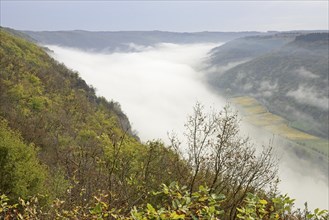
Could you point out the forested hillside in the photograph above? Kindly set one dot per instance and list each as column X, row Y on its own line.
column 84, row 141
column 67, row 154
column 288, row 73
column 247, row 48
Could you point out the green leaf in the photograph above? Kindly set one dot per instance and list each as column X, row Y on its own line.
column 263, row 201
column 150, row 208
column 174, row 215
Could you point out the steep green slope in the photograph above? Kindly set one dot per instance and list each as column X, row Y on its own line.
column 34, row 84
column 292, row 81
column 85, row 141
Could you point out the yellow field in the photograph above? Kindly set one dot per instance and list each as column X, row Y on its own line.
column 264, row 119
column 257, row 115
column 245, row 101
column 258, row 109
column 290, row 133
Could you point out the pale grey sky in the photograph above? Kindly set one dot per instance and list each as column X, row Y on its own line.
column 181, row 16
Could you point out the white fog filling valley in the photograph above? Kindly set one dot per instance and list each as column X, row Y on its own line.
column 157, row 88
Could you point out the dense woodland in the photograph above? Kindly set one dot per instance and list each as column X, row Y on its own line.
column 287, row 72
column 67, row 154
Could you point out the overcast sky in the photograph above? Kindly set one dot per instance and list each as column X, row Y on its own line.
column 178, row 16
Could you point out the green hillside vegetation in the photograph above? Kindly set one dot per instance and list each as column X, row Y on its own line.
column 85, row 141
column 21, row 173
column 291, row 80
column 67, row 154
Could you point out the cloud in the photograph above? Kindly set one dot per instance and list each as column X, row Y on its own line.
column 304, row 181
column 305, row 73
column 308, row 95
column 156, row 86
column 266, row 89
column 221, row 69
column 267, row 86
column 301, row 179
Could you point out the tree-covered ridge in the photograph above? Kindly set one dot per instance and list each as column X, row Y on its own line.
column 84, row 141
column 247, row 48
column 82, row 138
column 69, row 154
column 290, row 77
column 120, row 40
column 313, row 37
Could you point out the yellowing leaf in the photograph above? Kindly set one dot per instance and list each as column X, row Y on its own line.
column 263, row 201
column 174, row 215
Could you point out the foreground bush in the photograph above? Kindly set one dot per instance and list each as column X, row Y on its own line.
column 177, row 203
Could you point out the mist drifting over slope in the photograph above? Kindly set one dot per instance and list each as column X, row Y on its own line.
column 157, row 88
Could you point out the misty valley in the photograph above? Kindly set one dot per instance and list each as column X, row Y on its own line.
column 157, row 86
column 113, row 113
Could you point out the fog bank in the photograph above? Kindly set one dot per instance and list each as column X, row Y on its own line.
column 300, row 178
column 157, row 88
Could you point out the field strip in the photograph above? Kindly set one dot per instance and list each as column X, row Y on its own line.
column 256, row 114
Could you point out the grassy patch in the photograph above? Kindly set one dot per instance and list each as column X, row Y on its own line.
column 245, row 101
column 290, row 133
column 258, row 109
column 265, row 119
column 319, row 145
column 301, row 125
column 258, row 115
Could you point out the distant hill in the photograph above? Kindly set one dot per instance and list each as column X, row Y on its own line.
column 120, row 40
column 246, row 48
column 286, row 72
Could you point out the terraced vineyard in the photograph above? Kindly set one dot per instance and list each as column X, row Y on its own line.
column 256, row 114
